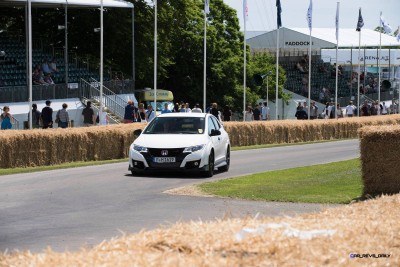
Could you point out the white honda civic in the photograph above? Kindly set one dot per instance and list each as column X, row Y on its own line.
column 181, row 141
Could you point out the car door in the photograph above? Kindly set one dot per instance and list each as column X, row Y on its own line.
column 220, row 149
column 214, row 139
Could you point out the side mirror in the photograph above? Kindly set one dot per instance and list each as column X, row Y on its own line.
column 215, row 132
column 137, row 132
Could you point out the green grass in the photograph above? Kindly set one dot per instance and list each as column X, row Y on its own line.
column 338, row 182
column 61, row 166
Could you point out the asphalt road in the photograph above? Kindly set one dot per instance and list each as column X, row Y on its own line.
column 66, row 209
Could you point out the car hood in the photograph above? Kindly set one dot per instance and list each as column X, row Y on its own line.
column 171, row 140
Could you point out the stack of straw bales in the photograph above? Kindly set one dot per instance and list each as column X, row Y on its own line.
column 55, row 146
column 367, row 229
column 380, row 148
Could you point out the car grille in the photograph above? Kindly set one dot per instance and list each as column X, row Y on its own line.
column 172, row 152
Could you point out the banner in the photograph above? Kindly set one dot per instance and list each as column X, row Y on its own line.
column 371, row 56
column 245, row 10
column 207, row 6
column 309, row 16
column 337, row 22
column 386, row 27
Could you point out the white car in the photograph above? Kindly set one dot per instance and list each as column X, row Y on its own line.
column 181, row 141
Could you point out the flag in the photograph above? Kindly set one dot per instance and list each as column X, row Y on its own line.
column 245, row 10
column 309, row 16
column 207, row 6
column 279, row 11
column 360, row 22
column 386, row 27
column 337, row 22
column 398, row 34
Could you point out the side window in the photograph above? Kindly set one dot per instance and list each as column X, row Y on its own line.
column 216, row 122
column 211, row 125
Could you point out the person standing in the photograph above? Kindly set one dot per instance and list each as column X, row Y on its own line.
column 197, row 109
column 63, row 117
column 257, row 113
column 150, row 114
column 313, row 111
column 248, row 114
column 265, row 112
column 166, row 109
column 227, row 113
column 6, row 118
column 384, row 109
column 47, row 115
column 36, row 117
column 301, row 114
column 188, row 109
column 350, row 108
column 141, row 113
column 89, row 119
column 128, row 114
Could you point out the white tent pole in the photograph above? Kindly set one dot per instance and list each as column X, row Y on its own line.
column 155, row 56
column 101, row 62
column 133, row 49
column 277, row 73
column 337, row 67
column 204, row 64
column 379, row 61
column 30, row 60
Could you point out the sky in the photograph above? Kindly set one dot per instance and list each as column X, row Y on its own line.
column 262, row 13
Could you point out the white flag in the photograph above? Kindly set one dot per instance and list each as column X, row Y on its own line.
column 245, row 10
column 385, row 25
column 207, row 6
column 337, row 22
column 309, row 16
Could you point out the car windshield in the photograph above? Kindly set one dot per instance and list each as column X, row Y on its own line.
column 176, row 125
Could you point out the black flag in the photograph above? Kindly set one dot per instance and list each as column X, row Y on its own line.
column 360, row 22
column 279, row 11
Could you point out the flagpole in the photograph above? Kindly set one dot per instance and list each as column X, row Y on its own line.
column 101, row 62
column 205, row 62
column 277, row 73
column 309, row 77
column 359, row 68
column 30, row 61
column 379, row 60
column 155, row 56
column 337, row 67
column 244, row 66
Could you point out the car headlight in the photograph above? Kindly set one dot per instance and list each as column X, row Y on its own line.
column 140, row 148
column 193, row 148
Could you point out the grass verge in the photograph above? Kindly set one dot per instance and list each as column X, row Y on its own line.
column 61, row 166
column 238, row 148
column 337, row 182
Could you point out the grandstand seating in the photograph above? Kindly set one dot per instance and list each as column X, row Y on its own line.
column 13, row 65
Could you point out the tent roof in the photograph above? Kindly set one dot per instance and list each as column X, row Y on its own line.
column 349, row 37
column 71, row 3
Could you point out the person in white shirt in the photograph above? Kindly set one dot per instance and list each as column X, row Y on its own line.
column 350, row 109
column 197, row 109
column 384, row 109
column 265, row 112
column 188, row 108
column 150, row 113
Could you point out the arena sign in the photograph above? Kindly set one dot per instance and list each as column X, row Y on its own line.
column 298, row 43
column 369, row 56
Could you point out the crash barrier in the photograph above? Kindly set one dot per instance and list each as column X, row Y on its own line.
column 25, row 148
column 380, row 148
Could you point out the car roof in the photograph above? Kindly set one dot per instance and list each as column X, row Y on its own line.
column 183, row 114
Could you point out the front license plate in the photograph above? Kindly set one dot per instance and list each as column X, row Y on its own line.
column 165, row 160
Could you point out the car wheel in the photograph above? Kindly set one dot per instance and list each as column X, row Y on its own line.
column 210, row 172
column 135, row 173
column 227, row 159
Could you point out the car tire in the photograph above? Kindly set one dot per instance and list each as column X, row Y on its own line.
column 225, row 168
column 135, row 173
column 210, row 172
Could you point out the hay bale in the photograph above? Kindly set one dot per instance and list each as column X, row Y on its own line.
column 358, row 229
column 380, row 146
